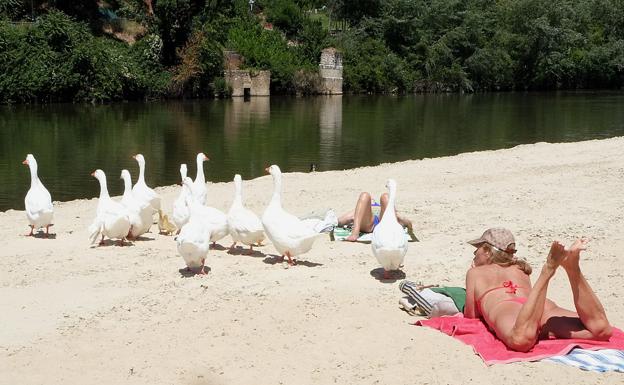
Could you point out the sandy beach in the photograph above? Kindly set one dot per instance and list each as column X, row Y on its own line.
column 75, row 314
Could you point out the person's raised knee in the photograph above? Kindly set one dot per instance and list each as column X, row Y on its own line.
column 383, row 199
column 364, row 196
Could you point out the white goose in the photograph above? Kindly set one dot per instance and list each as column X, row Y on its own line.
column 112, row 219
column 289, row 235
column 193, row 242
column 141, row 191
column 181, row 211
column 215, row 219
column 199, row 190
column 389, row 242
column 140, row 212
column 244, row 225
column 38, row 202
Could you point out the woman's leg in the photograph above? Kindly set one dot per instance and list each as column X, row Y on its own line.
column 383, row 202
column 362, row 217
column 588, row 306
column 523, row 335
column 558, row 322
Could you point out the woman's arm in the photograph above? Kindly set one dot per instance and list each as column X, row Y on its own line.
column 469, row 308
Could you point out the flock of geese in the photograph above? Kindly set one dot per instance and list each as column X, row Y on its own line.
column 199, row 225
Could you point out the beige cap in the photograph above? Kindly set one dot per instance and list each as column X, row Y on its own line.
column 498, row 237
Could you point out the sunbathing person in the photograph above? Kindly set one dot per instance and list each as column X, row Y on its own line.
column 498, row 290
column 367, row 215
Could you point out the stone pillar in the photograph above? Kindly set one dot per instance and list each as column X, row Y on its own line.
column 330, row 69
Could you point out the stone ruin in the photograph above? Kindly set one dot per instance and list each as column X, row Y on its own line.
column 245, row 83
column 330, row 69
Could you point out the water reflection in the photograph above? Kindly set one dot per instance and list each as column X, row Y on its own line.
column 335, row 132
column 330, row 132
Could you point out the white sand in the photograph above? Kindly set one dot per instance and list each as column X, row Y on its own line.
column 71, row 314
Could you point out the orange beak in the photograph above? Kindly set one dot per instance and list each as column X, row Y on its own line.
column 206, row 158
column 25, row 161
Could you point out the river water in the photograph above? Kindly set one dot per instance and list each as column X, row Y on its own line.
column 339, row 132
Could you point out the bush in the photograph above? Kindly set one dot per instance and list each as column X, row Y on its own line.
column 265, row 49
column 307, row 82
column 57, row 59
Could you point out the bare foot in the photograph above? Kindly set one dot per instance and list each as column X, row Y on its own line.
column 352, row 238
column 556, row 255
column 574, row 254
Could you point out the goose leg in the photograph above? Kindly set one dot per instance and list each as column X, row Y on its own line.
column 47, row 234
column 291, row 261
column 386, row 274
column 32, row 229
column 101, row 241
column 202, row 271
column 232, row 246
column 250, row 251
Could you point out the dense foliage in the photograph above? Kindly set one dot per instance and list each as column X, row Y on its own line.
column 135, row 49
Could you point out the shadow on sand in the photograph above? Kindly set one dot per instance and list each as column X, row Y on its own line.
column 186, row 272
column 238, row 250
column 395, row 275
column 275, row 259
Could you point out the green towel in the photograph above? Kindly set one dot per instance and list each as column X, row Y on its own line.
column 457, row 294
column 340, row 233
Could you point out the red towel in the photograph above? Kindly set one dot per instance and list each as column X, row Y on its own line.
column 493, row 351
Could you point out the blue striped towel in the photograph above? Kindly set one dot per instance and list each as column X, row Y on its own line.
column 603, row 360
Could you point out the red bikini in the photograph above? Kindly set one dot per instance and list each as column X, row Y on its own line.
column 511, row 289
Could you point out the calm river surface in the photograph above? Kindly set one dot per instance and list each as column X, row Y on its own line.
column 70, row 141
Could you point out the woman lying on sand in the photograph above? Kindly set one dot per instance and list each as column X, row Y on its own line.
column 367, row 214
column 498, row 289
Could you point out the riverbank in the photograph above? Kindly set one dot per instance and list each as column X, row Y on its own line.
column 74, row 314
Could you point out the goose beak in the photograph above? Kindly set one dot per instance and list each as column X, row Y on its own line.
column 93, row 173
column 25, row 161
column 134, row 157
column 206, row 158
column 267, row 170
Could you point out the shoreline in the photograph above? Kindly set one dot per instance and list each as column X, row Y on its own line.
column 76, row 314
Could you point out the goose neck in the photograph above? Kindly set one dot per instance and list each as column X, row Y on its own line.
column 390, row 212
column 127, row 186
column 103, row 189
column 141, row 172
column 200, row 172
column 238, row 195
column 277, row 191
column 34, row 178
